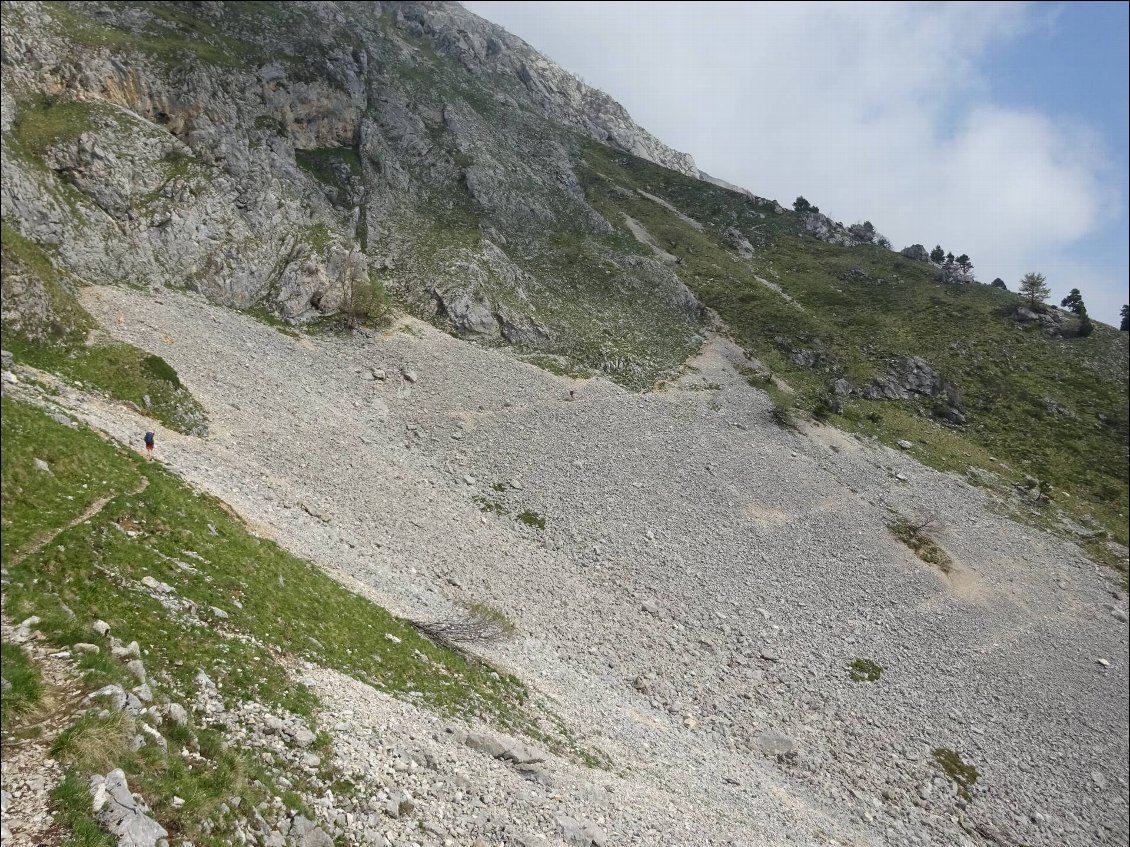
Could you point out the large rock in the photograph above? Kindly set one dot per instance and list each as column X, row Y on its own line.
column 470, row 314
column 916, row 253
column 122, row 815
column 733, row 238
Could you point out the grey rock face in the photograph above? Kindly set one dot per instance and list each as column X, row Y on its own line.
column 739, row 242
column 469, row 314
column 261, row 187
column 116, row 807
column 916, row 252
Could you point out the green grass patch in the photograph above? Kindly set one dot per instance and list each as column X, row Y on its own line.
column 275, row 602
column 72, row 809
column 559, row 366
column 24, row 688
column 915, row 536
column 120, row 371
column 81, row 470
column 861, row 307
column 489, row 505
column 865, row 670
column 174, row 36
column 333, row 166
column 530, row 518
column 963, row 774
column 57, row 343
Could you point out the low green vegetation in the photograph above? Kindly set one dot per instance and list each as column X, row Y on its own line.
column 234, row 603
column 489, row 505
column 963, row 774
column 865, row 670
column 72, row 805
column 23, row 685
column 1050, row 407
column 915, row 536
column 533, row 519
column 46, row 121
column 333, row 166
column 58, row 342
column 784, row 409
column 173, row 36
column 559, row 365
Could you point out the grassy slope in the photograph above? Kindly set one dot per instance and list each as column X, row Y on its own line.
column 121, row 371
column 286, row 606
column 1004, row 373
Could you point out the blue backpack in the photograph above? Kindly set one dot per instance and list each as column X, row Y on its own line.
column 148, row 439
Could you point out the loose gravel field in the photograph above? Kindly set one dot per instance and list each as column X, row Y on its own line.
column 702, row 582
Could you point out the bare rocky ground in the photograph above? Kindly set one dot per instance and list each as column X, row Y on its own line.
column 701, row 584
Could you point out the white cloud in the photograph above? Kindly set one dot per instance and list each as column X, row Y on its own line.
column 876, row 111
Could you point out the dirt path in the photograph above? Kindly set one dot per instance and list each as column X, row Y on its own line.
column 45, row 538
column 29, row 772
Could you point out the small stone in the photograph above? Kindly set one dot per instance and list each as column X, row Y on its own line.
column 1104, row 662
column 769, row 654
column 399, row 803
column 303, row 737
column 390, row 637
column 83, row 647
column 137, row 669
column 775, row 742
column 42, row 465
column 904, row 444
column 408, row 374
column 101, row 627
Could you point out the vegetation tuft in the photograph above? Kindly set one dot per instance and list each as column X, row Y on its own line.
column 914, row 534
column 865, row 670
column 23, row 685
column 963, row 775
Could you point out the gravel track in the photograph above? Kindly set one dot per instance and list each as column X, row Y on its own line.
column 703, row 580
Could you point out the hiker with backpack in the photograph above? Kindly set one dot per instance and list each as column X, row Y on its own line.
column 149, row 444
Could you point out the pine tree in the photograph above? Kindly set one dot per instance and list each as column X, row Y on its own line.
column 1125, row 315
column 1034, row 287
column 1074, row 302
column 937, row 255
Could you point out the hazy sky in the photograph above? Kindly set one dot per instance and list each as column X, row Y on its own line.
column 997, row 130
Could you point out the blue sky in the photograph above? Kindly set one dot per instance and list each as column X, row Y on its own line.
column 995, row 129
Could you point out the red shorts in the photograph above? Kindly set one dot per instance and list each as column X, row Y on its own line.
column 149, row 447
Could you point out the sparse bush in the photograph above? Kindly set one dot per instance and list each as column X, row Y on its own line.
column 482, row 625
column 865, row 670
column 532, row 519
column 951, row 764
column 915, row 535
column 1085, row 326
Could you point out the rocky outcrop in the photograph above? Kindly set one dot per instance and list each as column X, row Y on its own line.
column 824, row 228
column 1050, row 321
column 269, row 167
column 734, row 239
column 484, row 48
column 912, row 378
column 916, row 253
